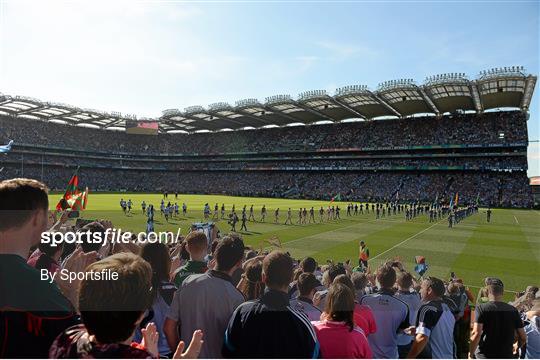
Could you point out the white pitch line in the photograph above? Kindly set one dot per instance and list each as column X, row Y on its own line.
column 407, row 239
column 285, row 244
column 515, row 218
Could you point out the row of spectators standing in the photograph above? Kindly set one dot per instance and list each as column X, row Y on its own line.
column 231, row 301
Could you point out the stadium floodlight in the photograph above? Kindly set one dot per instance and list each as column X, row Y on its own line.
column 351, row 89
column 27, row 98
column 171, row 112
column 278, row 99
column 310, row 94
column 219, row 106
column 247, row 103
column 196, row 109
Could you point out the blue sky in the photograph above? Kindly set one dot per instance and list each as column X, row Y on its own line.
column 141, row 57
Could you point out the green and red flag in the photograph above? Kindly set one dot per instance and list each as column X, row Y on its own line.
column 335, row 198
column 73, row 198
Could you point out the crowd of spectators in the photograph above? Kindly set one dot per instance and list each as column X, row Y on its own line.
column 497, row 177
column 187, row 299
column 489, row 161
column 507, row 189
column 486, row 128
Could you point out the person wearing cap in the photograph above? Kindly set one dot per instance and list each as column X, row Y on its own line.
column 532, row 330
column 307, row 286
column 495, row 325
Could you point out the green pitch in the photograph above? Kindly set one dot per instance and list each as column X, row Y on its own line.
column 508, row 247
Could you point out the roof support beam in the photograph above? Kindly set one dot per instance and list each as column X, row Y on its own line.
column 473, row 86
column 313, row 111
column 345, row 106
column 428, row 100
column 41, row 107
column 282, row 114
column 386, row 105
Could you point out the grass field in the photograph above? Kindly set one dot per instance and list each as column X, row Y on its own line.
column 508, row 247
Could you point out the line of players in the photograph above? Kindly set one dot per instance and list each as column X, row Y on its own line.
column 168, row 210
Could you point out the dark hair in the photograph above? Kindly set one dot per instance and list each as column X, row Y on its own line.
column 437, row 285
column 214, row 245
column 88, row 244
column 386, row 276
column 252, row 286
column 306, row 283
column 278, row 269
column 48, row 249
column 19, row 198
column 404, row 279
column 340, row 304
column 359, row 280
column 334, row 270
column 157, row 255
column 308, row 265
column 229, row 251
column 111, row 308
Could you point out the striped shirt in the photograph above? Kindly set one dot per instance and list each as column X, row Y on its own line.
column 391, row 315
column 270, row 328
column 436, row 320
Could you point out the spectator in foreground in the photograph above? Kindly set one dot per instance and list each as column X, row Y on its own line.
column 196, row 246
column 269, row 327
column 111, row 309
column 157, row 255
column 251, row 285
column 362, row 315
column 46, row 257
column 32, row 312
column 206, row 301
column 408, row 295
column 391, row 314
column 496, row 325
column 532, row 330
column 334, row 270
column 307, row 284
column 435, row 323
column 338, row 336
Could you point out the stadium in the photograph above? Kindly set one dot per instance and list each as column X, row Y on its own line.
column 357, row 221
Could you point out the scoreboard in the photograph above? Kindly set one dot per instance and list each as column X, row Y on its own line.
column 142, row 127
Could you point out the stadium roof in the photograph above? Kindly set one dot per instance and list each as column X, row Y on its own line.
column 496, row 88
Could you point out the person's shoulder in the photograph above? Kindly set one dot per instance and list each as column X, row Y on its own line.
column 358, row 332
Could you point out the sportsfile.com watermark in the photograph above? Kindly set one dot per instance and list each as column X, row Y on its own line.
column 109, row 236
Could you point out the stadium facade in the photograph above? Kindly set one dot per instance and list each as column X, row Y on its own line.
column 413, row 142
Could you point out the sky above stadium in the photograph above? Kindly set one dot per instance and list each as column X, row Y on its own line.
column 141, row 57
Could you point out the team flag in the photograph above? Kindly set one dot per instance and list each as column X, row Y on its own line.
column 478, row 199
column 456, row 200
column 421, row 265
column 335, row 198
column 451, row 206
column 73, row 198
